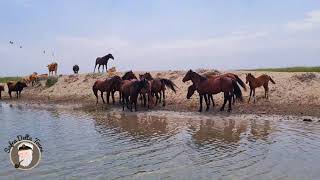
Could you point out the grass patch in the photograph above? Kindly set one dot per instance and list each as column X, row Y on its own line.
column 6, row 79
column 288, row 69
column 51, row 81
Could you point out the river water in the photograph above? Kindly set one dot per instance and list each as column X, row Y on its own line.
column 161, row 145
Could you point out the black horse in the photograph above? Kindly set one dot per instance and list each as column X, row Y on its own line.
column 75, row 69
column 103, row 61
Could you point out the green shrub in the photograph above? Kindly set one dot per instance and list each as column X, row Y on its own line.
column 51, row 81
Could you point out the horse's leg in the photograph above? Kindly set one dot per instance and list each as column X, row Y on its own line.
column 160, row 97
column 108, row 96
column 10, row 94
column 230, row 99
column 250, row 94
column 211, row 97
column 112, row 94
column 224, row 101
column 201, row 99
column 144, row 100
column 164, row 97
column 106, row 67
column 135, row 103
column 206, row 101
column 94, row 68
column 157, row 98
column 254, row 95
column 102, row 97
column 123, row 103
column 17, row 94
column 266, row 91
column 99, row 68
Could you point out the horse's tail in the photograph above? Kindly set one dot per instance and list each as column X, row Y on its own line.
column 237, row 90
column 271, row 80
column 242, row 84
column 94, row 89
column 169, row 84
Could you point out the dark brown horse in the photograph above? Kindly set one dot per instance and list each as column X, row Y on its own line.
column 254, row 83
column 158, row 87
column 192, row 89
column 102, row 86
column 103, row 61
column 214, row 86
column 131, row 89
column 17, row 87
column 129, row 75
column 1, row 89
column 230, row 75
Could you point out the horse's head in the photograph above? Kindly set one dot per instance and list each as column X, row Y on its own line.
column 111, row 56
column 129, row 75
column 21, row 84
column 249, row 76
column 148, row 76
column 187, row 77
column 141, row 76
column 191, row 90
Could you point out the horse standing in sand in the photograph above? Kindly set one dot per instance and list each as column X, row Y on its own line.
column 158, row 87
column 210, row 97
column 108, row 86
column 131, row 89
column 18, row 87
column 103, row 61
column 53, row 67
column 254, row 83
column 206, row 86
column 1, row 89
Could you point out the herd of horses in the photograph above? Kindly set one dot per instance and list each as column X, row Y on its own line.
column 130, row 88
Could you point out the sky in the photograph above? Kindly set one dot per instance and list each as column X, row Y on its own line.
column 147, row 35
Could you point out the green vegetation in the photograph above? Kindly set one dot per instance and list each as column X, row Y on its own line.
column 51, row 81
column 6, row 79
column 288, row 69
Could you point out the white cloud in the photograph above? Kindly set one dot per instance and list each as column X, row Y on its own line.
column 310, row 22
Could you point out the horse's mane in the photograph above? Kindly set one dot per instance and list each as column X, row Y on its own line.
column 202, row 78
column 148, row 76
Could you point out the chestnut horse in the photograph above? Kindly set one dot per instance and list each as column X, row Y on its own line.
column 53, row 67
column 131, row 89
column 158, row 87
column 103, row 61
column 18, row 87
column 254, row 83
column 1, row 89
column 192, row 89
column 232, row 76
column 214, row 86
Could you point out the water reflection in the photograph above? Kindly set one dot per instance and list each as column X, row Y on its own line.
column 138, row 126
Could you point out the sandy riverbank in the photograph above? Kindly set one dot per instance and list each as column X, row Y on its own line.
column 293, row 93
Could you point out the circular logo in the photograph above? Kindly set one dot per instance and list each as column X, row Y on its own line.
column 25, row 155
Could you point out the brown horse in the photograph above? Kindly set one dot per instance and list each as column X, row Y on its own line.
column 102, row 86
column 1, row 89
column 131, row 89
column 230, row 75
column 254, row 83
column 129, row 75
column 18, row 87
column 158, row 87
column 214, row 86
column 192, row 89
column 103, row 61
column 53, row 67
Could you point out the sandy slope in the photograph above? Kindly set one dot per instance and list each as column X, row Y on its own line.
column 293, row 93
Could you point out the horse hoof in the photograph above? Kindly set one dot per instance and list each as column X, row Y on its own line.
column 229, row 110
column 221, row 109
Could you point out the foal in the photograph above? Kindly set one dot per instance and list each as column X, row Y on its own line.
column 254, row 83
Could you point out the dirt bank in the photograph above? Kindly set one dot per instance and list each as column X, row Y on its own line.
column 293, row 93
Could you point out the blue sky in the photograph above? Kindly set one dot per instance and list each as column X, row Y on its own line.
column 158, row 34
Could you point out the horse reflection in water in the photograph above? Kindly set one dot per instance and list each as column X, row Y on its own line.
column 133, row 124
column 230, row 131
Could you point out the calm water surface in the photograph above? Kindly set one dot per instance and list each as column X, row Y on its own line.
column 162, row 145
